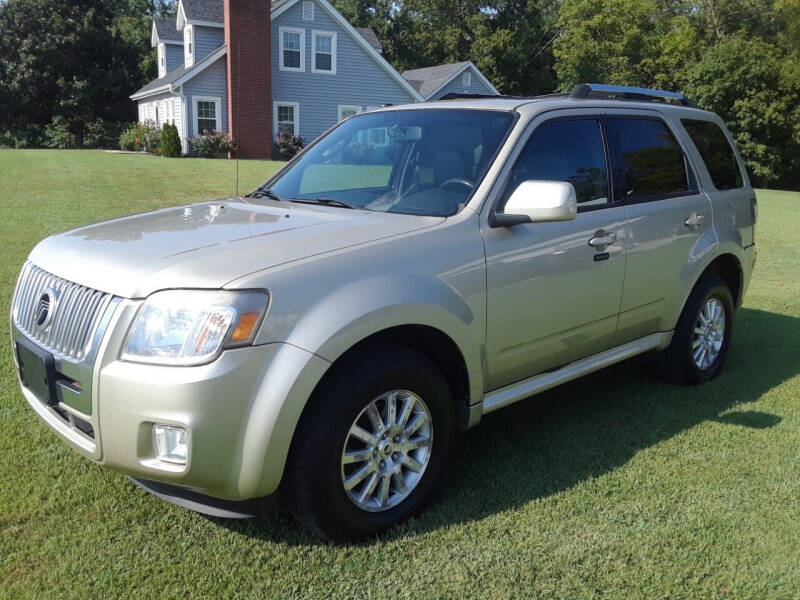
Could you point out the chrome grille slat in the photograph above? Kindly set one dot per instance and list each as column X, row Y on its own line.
column 77, row 312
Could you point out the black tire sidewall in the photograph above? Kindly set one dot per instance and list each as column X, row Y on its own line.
column 712, row 286
column 318, row 491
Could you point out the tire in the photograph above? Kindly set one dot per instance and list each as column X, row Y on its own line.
column 316, row 474
column 680, row 363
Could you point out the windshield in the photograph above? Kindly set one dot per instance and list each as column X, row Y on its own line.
column 421, row 162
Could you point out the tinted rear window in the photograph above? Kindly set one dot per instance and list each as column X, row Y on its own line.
column 716, row 152
column 648, row 162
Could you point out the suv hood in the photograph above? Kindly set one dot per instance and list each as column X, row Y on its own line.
column 210, row 244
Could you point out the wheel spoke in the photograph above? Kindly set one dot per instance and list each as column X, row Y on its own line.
column 408, row 404
column 419, row 442
column 697, row 342
column 356, row 456
column 369, row 488
column 383, row 494
column 391, row 409
column 375, row 418
column 412, row 463
column 400, row 482
column 419, row 420
column 358, row 476
column 364, row 435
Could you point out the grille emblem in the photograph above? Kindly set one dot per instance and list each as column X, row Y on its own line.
column 45, row 308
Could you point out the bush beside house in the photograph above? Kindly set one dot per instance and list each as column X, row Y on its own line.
column 170, row 141
column 211, row 145
column 289, row 145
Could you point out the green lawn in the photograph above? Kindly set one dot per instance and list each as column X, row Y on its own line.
column 614, row 486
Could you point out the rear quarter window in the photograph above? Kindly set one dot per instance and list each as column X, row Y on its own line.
column 716, row 152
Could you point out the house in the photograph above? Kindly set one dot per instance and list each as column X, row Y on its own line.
column 433, row 83
column 258, row 69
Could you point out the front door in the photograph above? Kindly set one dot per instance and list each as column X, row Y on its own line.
column 552, row 298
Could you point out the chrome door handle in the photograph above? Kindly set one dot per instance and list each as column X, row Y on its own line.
column 603, row 238
column 695, row 220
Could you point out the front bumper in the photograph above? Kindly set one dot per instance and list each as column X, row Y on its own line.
column 239, row 412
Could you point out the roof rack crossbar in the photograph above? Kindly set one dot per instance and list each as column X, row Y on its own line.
column 586, row 90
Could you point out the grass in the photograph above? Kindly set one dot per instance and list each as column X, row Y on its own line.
column 614, row 486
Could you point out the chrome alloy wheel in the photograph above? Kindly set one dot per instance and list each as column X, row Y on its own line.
column 709, row 334
column 387, row 450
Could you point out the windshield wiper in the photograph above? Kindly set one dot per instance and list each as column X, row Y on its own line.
column 268, row 193
column 327, row 202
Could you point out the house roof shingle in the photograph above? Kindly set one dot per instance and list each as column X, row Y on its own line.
column 429, row 79
column 209, row 11
column 371, row 37
column 166, row 30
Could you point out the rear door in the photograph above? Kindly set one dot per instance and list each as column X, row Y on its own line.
column 552, row 298
column 670, row 220
column 724, row 180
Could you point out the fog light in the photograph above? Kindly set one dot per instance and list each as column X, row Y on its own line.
column 170, row 443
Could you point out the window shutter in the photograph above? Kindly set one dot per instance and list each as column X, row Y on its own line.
column 308, row 11
column 467, row 79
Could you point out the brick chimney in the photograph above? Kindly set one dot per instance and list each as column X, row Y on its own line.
column 247, row 35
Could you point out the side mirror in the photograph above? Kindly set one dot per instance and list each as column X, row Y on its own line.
column 538, row 202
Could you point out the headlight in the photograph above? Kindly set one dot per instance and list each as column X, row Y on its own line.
column 191, row 327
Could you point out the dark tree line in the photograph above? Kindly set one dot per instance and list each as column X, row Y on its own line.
column 68, row 66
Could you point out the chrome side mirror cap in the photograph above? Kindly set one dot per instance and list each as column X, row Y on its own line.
column 538, row 202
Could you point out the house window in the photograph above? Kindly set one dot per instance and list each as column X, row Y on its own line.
column 292, row 50
column 348, row 110
column 287, row 118
column 466, row 79
column 206, row 112
column 324, row 45
column 308, row 11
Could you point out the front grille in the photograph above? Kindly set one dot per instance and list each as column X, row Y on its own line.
column 76, row 312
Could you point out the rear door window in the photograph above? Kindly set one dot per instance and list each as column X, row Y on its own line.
column 570, row 150
column 716, row 152
column 647, row 160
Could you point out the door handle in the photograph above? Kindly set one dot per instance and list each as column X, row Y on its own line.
column 603, row 238
column 694, row 220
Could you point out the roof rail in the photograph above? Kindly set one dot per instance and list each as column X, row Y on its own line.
column 466, row 96
column 623, row 92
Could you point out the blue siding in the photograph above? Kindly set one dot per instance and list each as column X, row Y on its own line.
column 206, row 40
column 359, row 80
column 456, row 86
column 174, row 56
column 211, row 82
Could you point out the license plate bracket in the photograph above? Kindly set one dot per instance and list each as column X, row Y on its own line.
column 37, row 370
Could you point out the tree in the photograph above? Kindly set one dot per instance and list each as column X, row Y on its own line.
column 66, row 64
column 752, row 85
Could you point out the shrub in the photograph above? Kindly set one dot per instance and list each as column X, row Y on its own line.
column 211, row 145
column 58, row 135
column 170, row 141
column 103, row 134
column 289, row 145
column 127, row 140
column 141, row 137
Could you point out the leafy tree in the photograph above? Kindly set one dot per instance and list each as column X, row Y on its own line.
column 63, row 58
column 754, row 88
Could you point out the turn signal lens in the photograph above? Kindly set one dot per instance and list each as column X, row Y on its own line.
column 245, row 328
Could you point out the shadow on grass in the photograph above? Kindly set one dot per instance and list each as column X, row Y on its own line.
column 554, row 441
